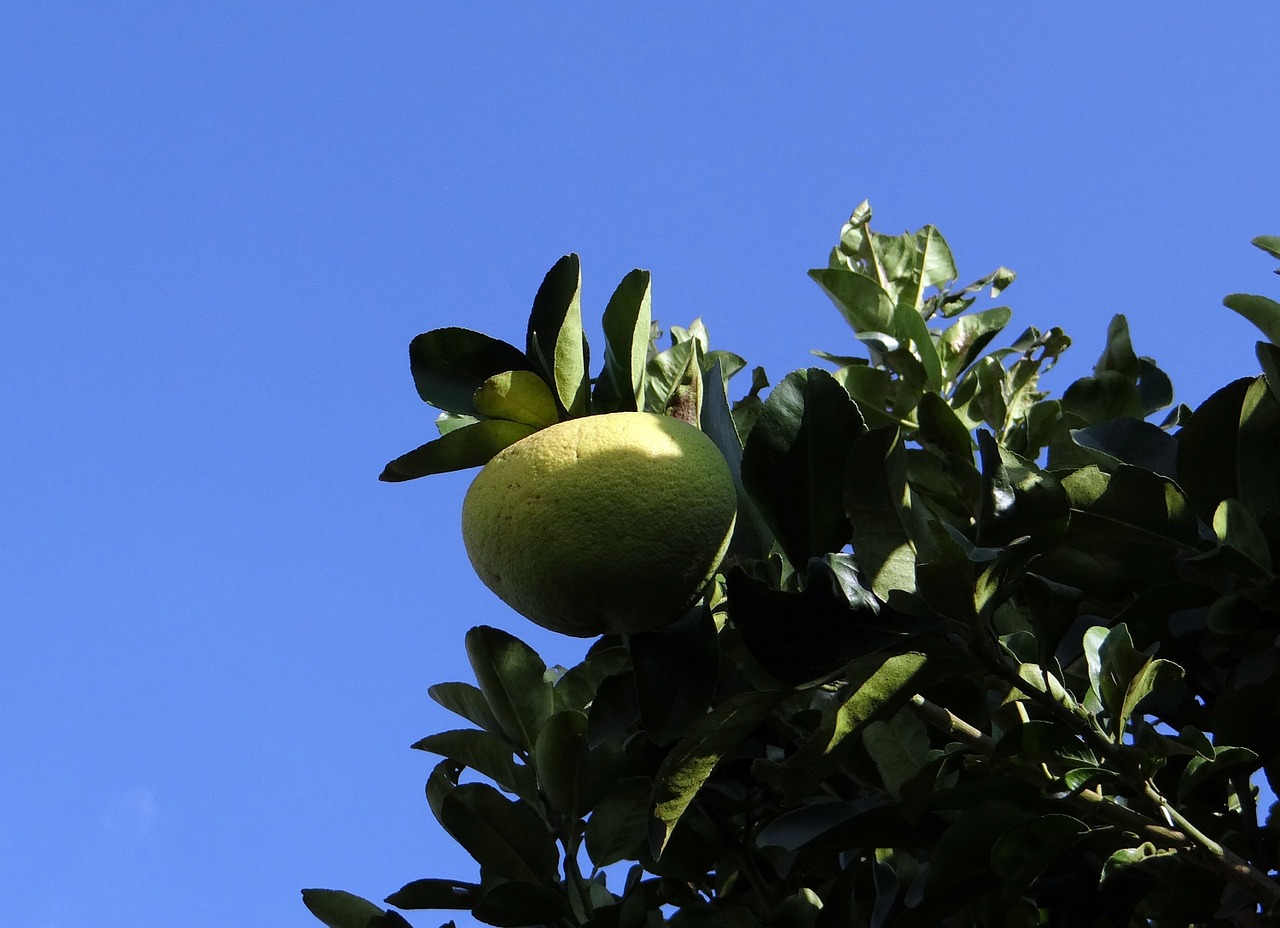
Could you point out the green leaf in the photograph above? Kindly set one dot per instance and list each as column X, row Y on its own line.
column 1107, row 395
column 578, row 686
column 1236, row 527
column 506, row 837
column 515, row 903
column 899, row 747
column 909, row 326
column 1207, row 455
column 1268, row 243
column 1121, row 676
column 1261, row 311
column 1019, row 499
column 339, row 909
column 572, row 776
column 1131, row 441
column 863, row 302
column 886, row 525
column 675, row 672
column 793, row 462
column 962, row 342
column 690, row 763
column 666, row 371
column 435, row 894
column 1269, row 357
column 471, row 446
column 512, row 678
column 934, row 265
column 627, row 321
column 1143, row 855
column 941, row 428
column 1118, row 355
column 556, row 344
column 614, row 708
column 1226, row 759
column 803, row 638
column 467, row 701
column 1026, row 850
column 1259, row 450
column 751, row 536
column 521, row 396
column 449, row 365
column 619, row 825
column 485, row 753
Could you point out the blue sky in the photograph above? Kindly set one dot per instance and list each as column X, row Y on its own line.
column 220, row 225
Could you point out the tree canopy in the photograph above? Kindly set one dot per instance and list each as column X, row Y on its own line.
column 978, row 655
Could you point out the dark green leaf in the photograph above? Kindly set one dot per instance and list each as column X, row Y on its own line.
column 470, row 446
column 511, row 676
column 485, row 753
column 1107, row 395
column 1261, row 311
column 802, row 638
column 627, row 320
column 467, row 701
column 1155, row 389
column 435, row 894
column 1207, row 449
column 619, row 825
column 886, row 525
column 862, row 302
column 1131, row 441
column 614, row 709
column 1259, row 450
column 507, row 838
column 556, row 344
column 1019, row 499
column 449, row 365
column 751, row 535
column 941, row 429
column 1269, row 357
column 576, row 688
column 515, row 903
column 675, row 673
column 793, row 462
column 572, row 776
column 690, row 763
column 1225, row 760
column 1023, row 852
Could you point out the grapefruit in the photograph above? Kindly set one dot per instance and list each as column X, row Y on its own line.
column 602, row 524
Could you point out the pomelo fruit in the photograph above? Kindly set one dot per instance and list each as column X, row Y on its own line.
column 609, row 523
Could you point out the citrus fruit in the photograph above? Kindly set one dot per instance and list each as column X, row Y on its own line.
column 609, row 523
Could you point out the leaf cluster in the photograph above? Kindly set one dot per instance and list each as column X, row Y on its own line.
column 980, row 656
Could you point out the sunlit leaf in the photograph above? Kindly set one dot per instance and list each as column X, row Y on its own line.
column 691, row 762
column 521, row 396
column 627, row 320
column 557, row 346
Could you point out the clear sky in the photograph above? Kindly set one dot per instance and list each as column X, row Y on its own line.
column 221, row 223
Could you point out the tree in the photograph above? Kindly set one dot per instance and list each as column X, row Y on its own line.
column 977, row 655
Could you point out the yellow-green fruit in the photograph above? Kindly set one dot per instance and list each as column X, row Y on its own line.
column 606, row 523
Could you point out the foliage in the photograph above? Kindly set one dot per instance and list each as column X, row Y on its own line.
column 980, row 656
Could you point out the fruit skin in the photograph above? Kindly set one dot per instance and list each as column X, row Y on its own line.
column 602, row 524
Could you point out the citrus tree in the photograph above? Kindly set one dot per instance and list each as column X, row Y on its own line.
column 973, row 655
